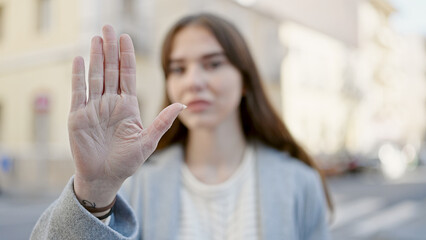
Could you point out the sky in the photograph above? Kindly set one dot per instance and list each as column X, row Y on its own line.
column 410, row 17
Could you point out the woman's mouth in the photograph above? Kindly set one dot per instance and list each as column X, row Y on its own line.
column 198, row 105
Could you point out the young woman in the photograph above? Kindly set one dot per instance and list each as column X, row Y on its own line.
column 226, row 169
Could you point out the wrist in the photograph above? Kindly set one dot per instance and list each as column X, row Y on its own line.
column 105, row 215
column 92, row 195
column 94, row 209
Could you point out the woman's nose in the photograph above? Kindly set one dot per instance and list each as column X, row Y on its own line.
column 195, row 77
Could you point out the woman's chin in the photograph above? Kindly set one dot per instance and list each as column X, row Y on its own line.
column 199, row 124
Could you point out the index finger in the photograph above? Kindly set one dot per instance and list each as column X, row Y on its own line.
column 127, row 66
column 78, row 85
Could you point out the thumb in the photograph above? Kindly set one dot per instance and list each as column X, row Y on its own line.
column 164, row 121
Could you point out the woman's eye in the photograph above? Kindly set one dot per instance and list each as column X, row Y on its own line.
column 213, row 64
column 176, row 70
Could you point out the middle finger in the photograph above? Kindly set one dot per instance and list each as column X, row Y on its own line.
column 111, row 59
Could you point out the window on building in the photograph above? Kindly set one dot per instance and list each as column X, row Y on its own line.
column 128, row 7
column 2, row 22
column 41, row 119
column 1, row 123
column 44, row 15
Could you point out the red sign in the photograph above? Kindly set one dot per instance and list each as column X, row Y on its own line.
column 41, row 104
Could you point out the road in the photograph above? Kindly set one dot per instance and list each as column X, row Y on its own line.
column 18, row 214
column 368, row 206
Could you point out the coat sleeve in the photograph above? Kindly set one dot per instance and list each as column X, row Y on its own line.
column 67, row 219
column 313, row 215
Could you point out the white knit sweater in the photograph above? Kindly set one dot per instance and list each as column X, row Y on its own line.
column 223, row 211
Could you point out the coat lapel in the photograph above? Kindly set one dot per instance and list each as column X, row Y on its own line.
column 162, row 198
column 275, row 220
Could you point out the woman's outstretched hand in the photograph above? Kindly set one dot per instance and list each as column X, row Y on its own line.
column 108, row 141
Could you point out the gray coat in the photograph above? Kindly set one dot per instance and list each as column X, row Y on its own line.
column 291, row 202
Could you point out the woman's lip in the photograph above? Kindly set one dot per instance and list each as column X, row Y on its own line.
column 198, row 105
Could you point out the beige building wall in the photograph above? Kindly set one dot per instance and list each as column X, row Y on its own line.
column 313, row 77
column 35, row 63
column 339, row 99
column 391, row 76
column 320, row 81
column 36, row 51
column 335, row 18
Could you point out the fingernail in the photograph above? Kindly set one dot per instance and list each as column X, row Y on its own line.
column 184, row 106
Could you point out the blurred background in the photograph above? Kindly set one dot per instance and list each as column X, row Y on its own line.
column 347, row 76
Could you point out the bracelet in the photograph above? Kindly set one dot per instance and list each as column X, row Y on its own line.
column 106, row 215
column 91, row 207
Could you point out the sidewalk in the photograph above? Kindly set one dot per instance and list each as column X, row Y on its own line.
column 369, row 206
column 18, row 214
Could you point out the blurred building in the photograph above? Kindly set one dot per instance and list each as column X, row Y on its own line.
column 334, row 69
column 344, row 101
column 391, row 76
column 40, row 38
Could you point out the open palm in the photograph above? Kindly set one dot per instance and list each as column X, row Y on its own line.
column 108, row 141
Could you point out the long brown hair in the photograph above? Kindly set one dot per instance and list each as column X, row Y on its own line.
column 259, row 119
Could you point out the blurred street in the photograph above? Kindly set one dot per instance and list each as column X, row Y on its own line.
column 348, row 79
column 19, row 214
column 367, row 207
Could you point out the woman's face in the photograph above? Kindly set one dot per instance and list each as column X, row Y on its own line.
column 201, row 77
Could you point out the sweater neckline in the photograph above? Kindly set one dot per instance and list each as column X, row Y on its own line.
column 193, row 184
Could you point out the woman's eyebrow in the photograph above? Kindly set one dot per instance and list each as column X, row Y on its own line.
column 211, row 55
column 176, row 61
column 203, row 57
